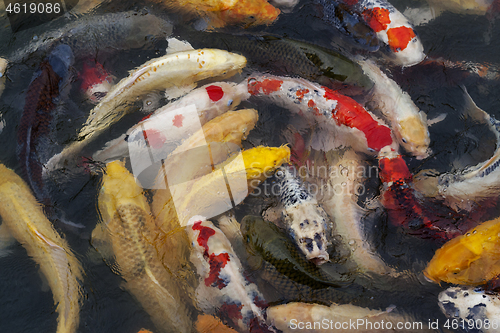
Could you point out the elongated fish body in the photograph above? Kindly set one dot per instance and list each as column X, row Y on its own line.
column 286, row 318
column 265, row 239
column 25, row 220
column 96, row 34
column 392, row 28
column 169, row 124
column 223, row 288
column 349, row 119
column 305, row 219
column 177, row 69
column 348, row 22
column 471, row 308
column 344, row 185
column 210, row 195
column 131, row 231
column 407, row 121
column 41, row 100
column 470, row 259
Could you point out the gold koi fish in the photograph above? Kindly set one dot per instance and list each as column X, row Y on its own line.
column 24, row 218
column 131, row 231
column 470, row 259
column 176, row 69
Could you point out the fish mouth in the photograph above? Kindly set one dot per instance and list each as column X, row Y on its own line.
column 320, row 260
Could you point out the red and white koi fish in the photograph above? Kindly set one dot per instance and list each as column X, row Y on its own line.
column 408, row 123
column 364, row 131
column 392, row 28
column 174, row 122
column 96, row 82
column 223, row 288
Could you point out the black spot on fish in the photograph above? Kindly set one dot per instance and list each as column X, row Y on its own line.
column 451, row 310
column 309, row 244
column 306, row 221
column 451, row 294
column 477, row 312
column 317, row 239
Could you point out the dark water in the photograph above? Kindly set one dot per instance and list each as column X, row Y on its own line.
column 25, row 306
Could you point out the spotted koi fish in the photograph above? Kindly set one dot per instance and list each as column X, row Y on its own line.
column 365, row 133
column 169, row 124
column 392, row 28
column 223, row 289
column 305, row 219
column 41, row 100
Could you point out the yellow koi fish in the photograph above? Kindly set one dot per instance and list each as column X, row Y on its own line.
column 176, row 69
column 131, row 231
column 24, row 218
column 470, row 259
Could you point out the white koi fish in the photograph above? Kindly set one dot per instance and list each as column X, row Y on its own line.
column 24, row 219
column 223, row 288
column 305, row 219
column 169, row 125
column 177, row 69
column 407, row 121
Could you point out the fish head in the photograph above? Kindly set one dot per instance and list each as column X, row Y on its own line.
column 249, row 13
column 413, row 135
column 261, row 162
column 96, row 82
column 218, row 63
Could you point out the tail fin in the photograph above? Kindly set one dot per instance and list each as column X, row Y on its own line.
column 471, row 110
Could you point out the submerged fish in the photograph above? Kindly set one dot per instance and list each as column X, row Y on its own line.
column 305, row 219
column 470, row 259
column 127, row 225
column 223, row 289
column 169, row 125
column 348, row 22
column 392, row 28
column 408, row 123
column 96, row 82
column 177, row 69
column 25, row 221
column 42, row 97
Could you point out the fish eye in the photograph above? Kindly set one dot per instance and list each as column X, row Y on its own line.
column 230, row 102
column 404, row 140
column 252, row 81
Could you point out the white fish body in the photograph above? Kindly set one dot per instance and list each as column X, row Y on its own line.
column 305, row 219
column 407, row 121
column 170, row 125
column 177, row 69
column 222, row 283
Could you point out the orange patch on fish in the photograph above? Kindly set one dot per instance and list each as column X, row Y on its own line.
column 154, row 138
column 301, row 92
column 250, row 12
column 377, row 18
column 177, row 121
column 267, row 86
column 400, row 37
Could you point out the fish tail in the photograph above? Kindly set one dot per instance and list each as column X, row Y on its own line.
column 471, row 110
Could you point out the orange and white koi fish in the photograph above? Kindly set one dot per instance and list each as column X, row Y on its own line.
column 392, row 28
column 223, row 289
column 172, row 123
column 350, row 121
column 470, row 259
column 408, row 123
column 23, row 218
column 176, row 69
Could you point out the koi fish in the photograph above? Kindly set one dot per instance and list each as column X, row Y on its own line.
column 463, row 190
column 472, row 308
column 392, row 28
column 41, row 99
column 407, row 122
column 25, row 221
column 223, row 289
column 177, row 69
column 244, row 172
column 168, row 125
column 286, row 317
column 96, row 82
column 305, row 219
column 348, row 118
column 470, row 259
column 127, row 225
column 350, row 23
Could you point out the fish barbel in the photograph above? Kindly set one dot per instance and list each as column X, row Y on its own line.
column 25, row 220
column 470, row 259
column 131, row 230
column 177, row 69
column 408, row 123
column 223, row 289
column 168, row 125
